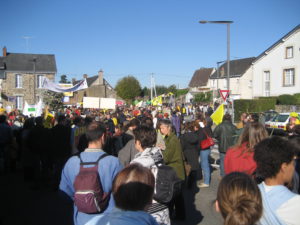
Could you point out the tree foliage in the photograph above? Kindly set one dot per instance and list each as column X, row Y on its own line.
column 64, row 79
column 180, row 92
column 128, row 88
column 203, row 97
column 53, row 100
column 160, row 89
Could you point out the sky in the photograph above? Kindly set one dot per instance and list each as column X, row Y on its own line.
column 143, row 37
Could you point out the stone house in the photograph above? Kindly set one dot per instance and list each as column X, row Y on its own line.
column 22, row 75
column 97, row 87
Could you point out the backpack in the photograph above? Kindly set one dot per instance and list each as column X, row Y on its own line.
column 167, row 185
column 89, row 196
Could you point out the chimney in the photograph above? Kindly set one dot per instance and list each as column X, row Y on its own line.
column 4, row 51
column 85, row 76
column 100, row 77
column 73, row 80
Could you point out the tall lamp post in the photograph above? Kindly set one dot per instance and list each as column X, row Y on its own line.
column 228, row 49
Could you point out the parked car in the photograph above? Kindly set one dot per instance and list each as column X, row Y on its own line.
column 278, row 124
column 269, row 115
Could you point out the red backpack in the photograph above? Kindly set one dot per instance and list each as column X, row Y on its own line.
column 89, row 196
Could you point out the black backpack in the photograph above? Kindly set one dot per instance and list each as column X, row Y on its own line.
column 168, row 185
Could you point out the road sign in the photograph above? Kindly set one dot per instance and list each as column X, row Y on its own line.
column 224, row 94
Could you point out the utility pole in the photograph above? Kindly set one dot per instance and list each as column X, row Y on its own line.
column 151, row 93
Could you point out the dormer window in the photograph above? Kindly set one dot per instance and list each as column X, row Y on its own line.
column 289, row 52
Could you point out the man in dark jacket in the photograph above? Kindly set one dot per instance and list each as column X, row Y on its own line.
column 225, row 134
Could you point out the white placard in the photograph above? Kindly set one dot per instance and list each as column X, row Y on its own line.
column 91, row 102
column 107, row 103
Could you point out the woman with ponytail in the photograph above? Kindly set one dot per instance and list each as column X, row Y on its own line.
column 239, row 200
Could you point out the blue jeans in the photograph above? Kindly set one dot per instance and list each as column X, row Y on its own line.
column 222, row 171
column 204, row 155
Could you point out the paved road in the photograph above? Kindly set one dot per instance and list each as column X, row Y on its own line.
column 21, row 205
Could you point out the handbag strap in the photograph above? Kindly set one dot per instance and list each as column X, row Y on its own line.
column 205, row 133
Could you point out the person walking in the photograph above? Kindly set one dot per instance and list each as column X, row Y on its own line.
column 149, row 156
column 173, row 157
column 224, row 133
column 240, row 157
column 108, row 168
column 204, row 132
column 190, row 144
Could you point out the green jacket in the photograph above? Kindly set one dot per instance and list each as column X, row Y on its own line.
column 225, row 133
column 173, row 155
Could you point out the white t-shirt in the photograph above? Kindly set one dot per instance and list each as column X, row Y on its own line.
column 289, row 212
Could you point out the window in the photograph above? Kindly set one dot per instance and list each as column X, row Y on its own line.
column 267, row 83
column 19, row 82
column 225, row 83
column 40, row 80
column 19, row 102
column 289, row 77
column 289, row 53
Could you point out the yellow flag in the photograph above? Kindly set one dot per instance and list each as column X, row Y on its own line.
column 157, row 100
column 217, row 116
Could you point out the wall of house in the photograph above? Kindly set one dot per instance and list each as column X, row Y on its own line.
column 100, row 91
column 28, row 90
column 241, row 87
column 275, row 62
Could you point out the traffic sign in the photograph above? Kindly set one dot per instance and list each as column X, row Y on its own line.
column 224, row 94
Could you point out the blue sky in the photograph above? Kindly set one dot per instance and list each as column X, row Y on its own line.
column 140, row 37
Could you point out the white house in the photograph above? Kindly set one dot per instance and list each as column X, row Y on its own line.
column 240, row 78
column 277, row 70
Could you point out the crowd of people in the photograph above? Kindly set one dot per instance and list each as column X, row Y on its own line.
column 127, row 146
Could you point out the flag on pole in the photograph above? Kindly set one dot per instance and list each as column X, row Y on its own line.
column 157, row 101
column 217, row 116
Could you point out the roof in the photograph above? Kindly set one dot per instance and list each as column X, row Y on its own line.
column 20, row 62
column 89, row 80
column 237, row 68
column 281, row 40
column 200, row 77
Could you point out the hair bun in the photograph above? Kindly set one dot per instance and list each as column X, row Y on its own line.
column 243, row 212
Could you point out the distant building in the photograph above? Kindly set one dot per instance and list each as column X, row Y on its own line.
column 276, row 71
column 240, row 78
column 22, row 75
column 199, row 82
column 97, row 87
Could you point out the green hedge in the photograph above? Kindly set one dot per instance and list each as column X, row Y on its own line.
column 250, row 106
column 287, row 100
column 297, row 97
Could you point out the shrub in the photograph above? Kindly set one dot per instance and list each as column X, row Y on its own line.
column 287, row 100
column 297, row 96
column 251, row 106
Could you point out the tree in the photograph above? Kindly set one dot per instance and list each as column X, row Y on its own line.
column 203, row 97
column 145, row 92
column 53, row 100
column 64, row 79
column 128, row 88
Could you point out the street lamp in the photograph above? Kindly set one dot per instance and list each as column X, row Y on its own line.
column 228, row 48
